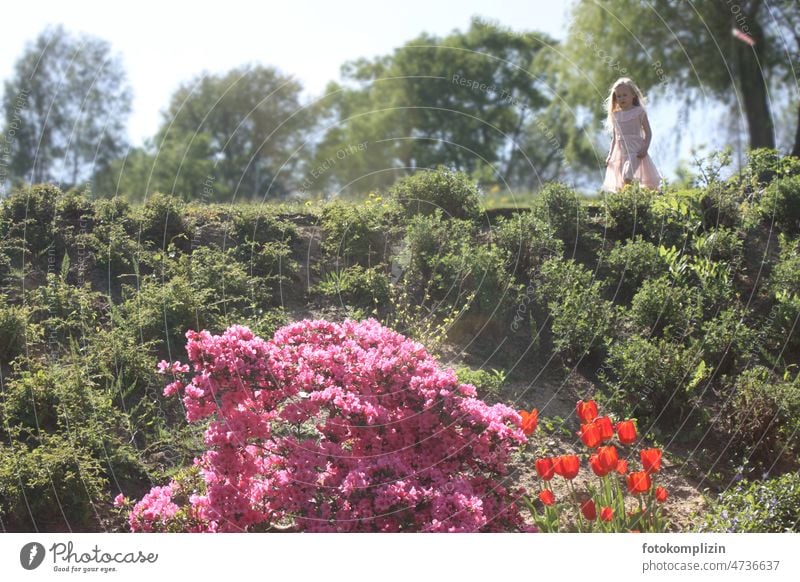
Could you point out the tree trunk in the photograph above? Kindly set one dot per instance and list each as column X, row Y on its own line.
column 796, row 148
column 754, row 93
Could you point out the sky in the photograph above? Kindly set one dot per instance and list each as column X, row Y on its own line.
column 163, row 44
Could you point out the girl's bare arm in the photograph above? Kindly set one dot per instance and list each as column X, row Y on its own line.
column 611, row 149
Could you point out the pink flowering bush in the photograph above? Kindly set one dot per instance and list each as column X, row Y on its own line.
column 334, row 427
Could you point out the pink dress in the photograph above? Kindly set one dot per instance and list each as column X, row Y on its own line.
column 624, row 164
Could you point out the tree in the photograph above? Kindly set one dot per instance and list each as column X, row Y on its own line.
column 689, row 46
column 248, row 123
column 471, row 101
column 67, row 103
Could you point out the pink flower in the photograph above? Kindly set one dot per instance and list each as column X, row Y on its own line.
column 390, row 442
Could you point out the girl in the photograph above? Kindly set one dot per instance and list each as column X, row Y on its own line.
column 627, row 160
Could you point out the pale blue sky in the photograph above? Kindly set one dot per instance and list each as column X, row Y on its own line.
column 165, row 43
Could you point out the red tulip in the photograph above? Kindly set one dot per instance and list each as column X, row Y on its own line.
column 529, row 421
column 661, row 494
column 546, row 496
column 606, row 514
column 545, row 468
column 587, row 411
column 606, row 428
column 651, row 460
column 589, row 510
column 622, row 466
column 626, row 431
column 590, row 435
column 567, row 466
column 638, row 482
column 604, row 461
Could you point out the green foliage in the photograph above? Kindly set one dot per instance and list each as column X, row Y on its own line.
column 781, row 204
column 632, row 262
column 784, row 284
column 761, row 418
column 356, row 286
column 580, row 317
column 165, row 311
column 561, row 208
column 13, row 331
column 65, row 311
column 766, row 165
column 29, row 214
column 487, row 382
column 68, row 439
column 162, row 222
column 661, row 307
column 444, row 263
column 726, row 340
column 768, row 506
column 527, row 240
column 359, row 233
column 431, row 88
column 654, row 380
column 630, row 213
column 453, row 194
column 68, row 100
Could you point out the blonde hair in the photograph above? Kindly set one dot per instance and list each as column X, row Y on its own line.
column 611, row 101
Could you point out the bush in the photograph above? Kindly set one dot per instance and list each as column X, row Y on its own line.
column 357, row 286
column 781, row 204
column 726, row 340
column 765, row 165
column 761, row 418
column 358, row 233
column 653, row 380
column 527, row 240
column 13, row 331
column 559, row 206
column 661, row 307
column 347, row 427
column 580, row 317
column 768, row 506
column 487, row 382
column 453, row 194
column 784, row 284
column 631, row 263
column 30, row 214
column 68, row 438
column 162, row 222
column 630, row 213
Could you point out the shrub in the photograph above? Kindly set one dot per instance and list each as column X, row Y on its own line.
column 631, row 263
column 762, row 417
column 527, row 240
column 580, row 317
column 784, row 283
column 661, row 307
column 67, row 439
column 357, row 286
column 765, row 506
column 781, row 204
column 358, row 233
column 453, row 194
column 13, row 331
column 653, row 380
column 30, row 213
column 162, row 222
column 765, row 165
column 487, row 382
column 630, row 213
column 559, row 206
column 726, row 340
column 380, row 439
